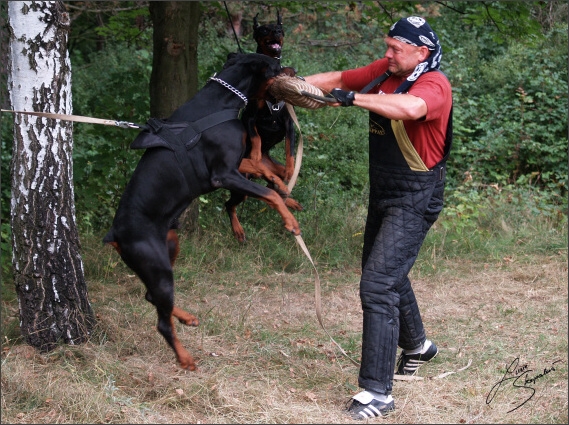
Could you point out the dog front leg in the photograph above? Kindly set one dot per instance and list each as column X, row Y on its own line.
column 277, row 203
column 259, row 169
column 256, row 143
column 236, row 182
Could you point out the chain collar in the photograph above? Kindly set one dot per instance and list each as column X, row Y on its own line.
column 230, row 87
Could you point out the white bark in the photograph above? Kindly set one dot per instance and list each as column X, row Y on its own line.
column 48, row 270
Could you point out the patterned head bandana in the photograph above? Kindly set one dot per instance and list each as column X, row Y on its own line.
column 416, row 31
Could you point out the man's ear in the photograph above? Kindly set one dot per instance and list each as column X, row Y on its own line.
column 425, row 53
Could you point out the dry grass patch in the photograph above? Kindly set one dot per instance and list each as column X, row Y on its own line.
column 263, row 358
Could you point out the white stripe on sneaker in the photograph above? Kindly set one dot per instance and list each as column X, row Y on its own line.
column 413, row 365
column 370, row 412
column 376, row 411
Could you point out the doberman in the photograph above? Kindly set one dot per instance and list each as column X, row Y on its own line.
column 195, row 151
column 267, row 126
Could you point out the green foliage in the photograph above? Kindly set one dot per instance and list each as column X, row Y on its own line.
column 509, row 78
column 113, row 85
column 6, row 137
column 521, row 219
column 511, row 121
column 128, row 26
column 501, row 21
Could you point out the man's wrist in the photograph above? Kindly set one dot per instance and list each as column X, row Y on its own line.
column 346, row 98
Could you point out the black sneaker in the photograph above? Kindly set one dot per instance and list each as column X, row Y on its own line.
column 364, row 406
column 408, row 364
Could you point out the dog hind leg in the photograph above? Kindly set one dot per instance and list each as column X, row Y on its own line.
column 231, row 208
column 173, row 245
column 151, row 262
column 289, row 150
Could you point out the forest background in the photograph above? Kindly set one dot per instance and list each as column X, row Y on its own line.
column 508, row 69
column 506, row 199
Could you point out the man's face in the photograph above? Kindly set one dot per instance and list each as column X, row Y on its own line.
column 402, row 57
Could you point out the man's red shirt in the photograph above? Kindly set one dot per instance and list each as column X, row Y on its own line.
column 427, row 135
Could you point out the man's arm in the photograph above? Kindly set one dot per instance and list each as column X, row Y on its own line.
column 393, row 106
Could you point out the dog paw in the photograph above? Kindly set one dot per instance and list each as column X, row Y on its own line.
column 238, row 231
column 240, row 238
column 293, row 204
column 184, row 317
column 193, row 321
column 185, row 359
column 295, row 232
column 294, row 229
column 188, row 364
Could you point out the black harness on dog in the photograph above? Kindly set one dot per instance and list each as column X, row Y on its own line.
column 181, row 137
column 182, row 133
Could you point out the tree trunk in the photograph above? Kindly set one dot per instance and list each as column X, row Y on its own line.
column 174, row 76
column 48, row 269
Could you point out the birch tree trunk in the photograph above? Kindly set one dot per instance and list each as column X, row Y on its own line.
column 48, row 269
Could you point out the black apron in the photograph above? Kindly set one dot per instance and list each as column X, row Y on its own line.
column 405, row 200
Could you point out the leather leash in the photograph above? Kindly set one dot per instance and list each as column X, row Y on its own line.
column 318, row 299
column 420, row 378
column 300, row 241
column 78, row 118
column 299, row 149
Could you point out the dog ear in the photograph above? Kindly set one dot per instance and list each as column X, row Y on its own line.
column 279, row 18
column 231, row 59
column 255, row 22
column 273, row 69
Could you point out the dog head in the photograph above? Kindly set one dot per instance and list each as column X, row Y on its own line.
column 269, row 37
column 257, row 64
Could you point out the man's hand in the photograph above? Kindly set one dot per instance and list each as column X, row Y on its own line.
column 346, row 98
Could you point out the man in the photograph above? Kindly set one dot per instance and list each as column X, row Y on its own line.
column 410, row 133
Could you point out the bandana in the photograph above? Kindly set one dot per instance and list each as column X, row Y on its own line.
column 415, row 31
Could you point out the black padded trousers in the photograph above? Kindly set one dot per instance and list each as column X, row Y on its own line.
column 403, row 206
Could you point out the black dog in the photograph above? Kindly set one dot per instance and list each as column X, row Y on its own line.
column 197, row 150
column 267, row 126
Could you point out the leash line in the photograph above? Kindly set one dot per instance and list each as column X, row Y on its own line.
column 318, row 299
column 300, row 241
column 232, row 26
column 420, row 378
column 299, row 149
column 78, row 118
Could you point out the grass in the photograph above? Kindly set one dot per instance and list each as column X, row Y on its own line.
column 490, row 293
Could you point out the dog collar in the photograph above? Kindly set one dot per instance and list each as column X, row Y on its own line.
column 230, row 87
